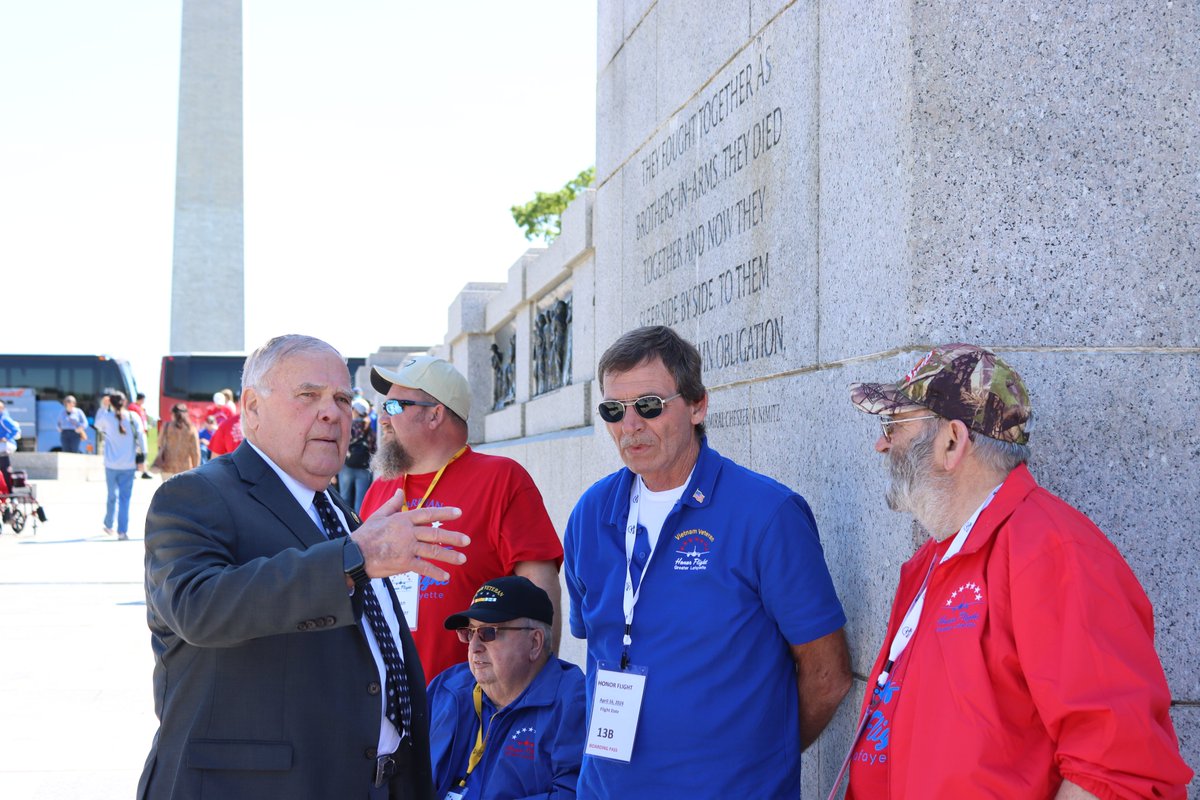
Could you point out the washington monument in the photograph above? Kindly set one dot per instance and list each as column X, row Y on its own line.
column 207, row 286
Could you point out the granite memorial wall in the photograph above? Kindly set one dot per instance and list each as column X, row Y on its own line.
column 816, row 194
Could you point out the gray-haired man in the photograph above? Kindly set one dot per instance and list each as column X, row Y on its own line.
column 283, row 667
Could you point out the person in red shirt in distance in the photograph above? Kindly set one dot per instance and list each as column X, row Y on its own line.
column 227, row 437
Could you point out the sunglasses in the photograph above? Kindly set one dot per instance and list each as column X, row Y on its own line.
column 647, row 407
column 487, row 633
column 393, row 407
column 887, row 422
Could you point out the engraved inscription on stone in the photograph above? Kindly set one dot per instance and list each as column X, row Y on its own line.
column 708, row 200
column 741, row 417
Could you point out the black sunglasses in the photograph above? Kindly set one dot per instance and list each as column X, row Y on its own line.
column 487, row 633
column 647, row 407
column 393, row 407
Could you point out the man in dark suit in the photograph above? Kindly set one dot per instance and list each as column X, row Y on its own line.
column 283, row 666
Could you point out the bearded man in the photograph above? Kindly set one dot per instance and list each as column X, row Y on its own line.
column 1019, row 659
column 423, row 450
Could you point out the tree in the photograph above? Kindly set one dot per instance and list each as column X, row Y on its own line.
column 542, row 216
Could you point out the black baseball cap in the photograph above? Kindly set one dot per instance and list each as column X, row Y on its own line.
column 502, row 599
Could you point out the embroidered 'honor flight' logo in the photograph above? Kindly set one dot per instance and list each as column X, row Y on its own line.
column 962, row 610
column 692, row 550
column 522, row 743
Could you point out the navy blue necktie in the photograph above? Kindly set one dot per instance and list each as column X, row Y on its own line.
column 399, row 704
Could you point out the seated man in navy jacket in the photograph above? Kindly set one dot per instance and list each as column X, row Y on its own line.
column 510, row 723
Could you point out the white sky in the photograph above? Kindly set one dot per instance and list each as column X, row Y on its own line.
column 384, row 144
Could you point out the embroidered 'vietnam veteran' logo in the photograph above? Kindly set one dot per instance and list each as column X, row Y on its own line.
column 692, row 550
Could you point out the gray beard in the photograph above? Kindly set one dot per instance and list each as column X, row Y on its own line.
column 390, row 460
column 916, row 489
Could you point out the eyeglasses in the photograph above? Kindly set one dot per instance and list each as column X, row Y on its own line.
column 487, row 633
column 647, row 407
column 887, row 422
column 393, row 407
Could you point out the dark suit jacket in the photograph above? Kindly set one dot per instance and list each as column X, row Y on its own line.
column 264, row 684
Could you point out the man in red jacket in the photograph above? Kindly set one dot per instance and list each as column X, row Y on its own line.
column 1019, row 658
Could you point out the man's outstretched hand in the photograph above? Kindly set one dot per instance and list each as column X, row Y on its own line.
column 394, row 540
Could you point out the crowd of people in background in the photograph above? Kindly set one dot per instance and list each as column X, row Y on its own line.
column 124, row 428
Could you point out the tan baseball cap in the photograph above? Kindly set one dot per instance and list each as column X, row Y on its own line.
column 436, row 376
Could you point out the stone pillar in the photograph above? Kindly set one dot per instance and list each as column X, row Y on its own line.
column 207, row 286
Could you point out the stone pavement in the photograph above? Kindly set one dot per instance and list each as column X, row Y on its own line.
column 76, row 709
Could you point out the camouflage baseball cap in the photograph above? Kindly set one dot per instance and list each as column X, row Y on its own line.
column 957, row 381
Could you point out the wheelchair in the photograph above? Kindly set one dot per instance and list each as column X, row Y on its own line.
column 19, row 505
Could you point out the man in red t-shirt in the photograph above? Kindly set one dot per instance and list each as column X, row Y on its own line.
column 423, row 450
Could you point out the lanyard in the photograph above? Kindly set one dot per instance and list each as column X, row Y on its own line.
column 435, row 480
column 630, row 598
column 908, row 626
column 477, row 751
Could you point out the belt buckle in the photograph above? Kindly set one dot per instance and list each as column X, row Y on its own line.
column 385, row 768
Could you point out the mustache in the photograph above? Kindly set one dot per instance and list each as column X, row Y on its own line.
column 633, row 440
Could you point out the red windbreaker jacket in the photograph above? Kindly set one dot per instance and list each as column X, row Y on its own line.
column 1051, row 674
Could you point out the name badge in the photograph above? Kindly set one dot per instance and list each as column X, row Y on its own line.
column 616, row 707
column 457, row 793
column 408, row 592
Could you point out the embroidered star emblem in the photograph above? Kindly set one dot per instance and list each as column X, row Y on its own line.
column 437, row 524
column 970, row 588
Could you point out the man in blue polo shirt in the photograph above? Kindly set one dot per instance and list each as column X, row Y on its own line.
column 714, row 636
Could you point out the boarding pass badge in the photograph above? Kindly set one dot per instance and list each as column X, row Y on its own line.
column 616, row 707
column 408, row 592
